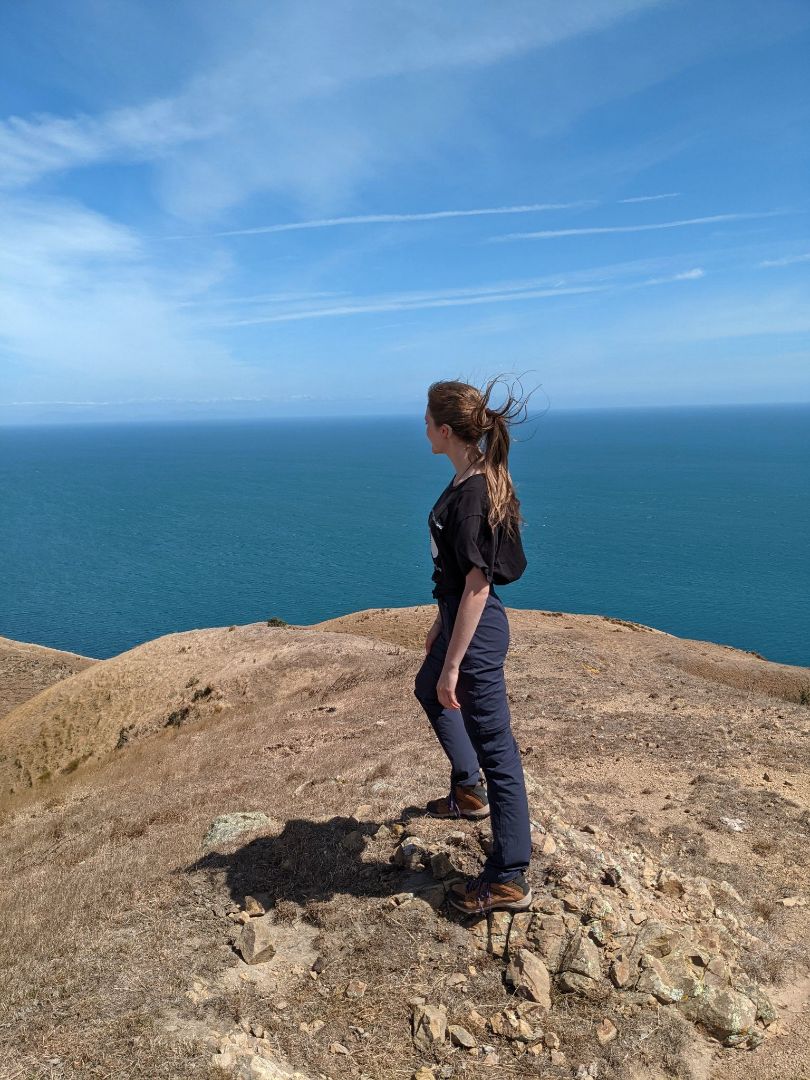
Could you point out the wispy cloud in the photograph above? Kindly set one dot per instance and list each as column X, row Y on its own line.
column 375, row 305
column 429, row 215
column 687, row 275
column 375, row 219
column 652, row 198
column 284, row 101
column 788, row 260
column 597, row 280
column 598, row 230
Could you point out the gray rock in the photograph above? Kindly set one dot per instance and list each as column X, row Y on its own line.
column 255, row 942
column 655, row 979
column 227, row 827
column 582, row 957
column 353, row 842
column 499, row 924
column 459, row 1036
column 440, row 865
column 726, row 1012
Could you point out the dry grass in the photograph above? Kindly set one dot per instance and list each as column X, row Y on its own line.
column 115, row 908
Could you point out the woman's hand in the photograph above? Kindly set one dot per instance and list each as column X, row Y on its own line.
column 446, row 687
column 432, row 634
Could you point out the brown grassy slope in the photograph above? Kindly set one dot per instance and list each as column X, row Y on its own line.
column 116, row 911
column 26, row 669
column 169, row 681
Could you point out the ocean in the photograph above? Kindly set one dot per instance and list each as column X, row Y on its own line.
column 694, row 520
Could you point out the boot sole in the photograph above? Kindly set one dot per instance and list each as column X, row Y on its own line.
column 471, row 814
column 512, row 905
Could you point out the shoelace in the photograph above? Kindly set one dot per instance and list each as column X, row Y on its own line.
column 454, row 810
column 482, row 889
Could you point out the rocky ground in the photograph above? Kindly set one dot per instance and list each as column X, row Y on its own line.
column 216, row 863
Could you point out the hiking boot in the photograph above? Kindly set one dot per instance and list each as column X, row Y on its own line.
column 467, row 802
column 477, row 896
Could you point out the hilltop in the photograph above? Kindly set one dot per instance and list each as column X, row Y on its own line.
column 669, row 795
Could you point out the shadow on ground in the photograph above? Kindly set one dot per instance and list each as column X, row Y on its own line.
column 313, row 861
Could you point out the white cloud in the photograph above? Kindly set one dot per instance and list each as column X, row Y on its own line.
column 788, row 260
column 307, row 99
column 83, row 308
column 596, row 230
column 377, row 219
column 594, row 280
column 651, row 198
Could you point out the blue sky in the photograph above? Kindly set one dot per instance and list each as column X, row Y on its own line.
column 319, row 208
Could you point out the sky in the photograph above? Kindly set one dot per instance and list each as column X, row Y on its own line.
column 319, row 208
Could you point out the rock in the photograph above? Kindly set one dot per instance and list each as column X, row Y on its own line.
column 551, row 1040
column 459, row 1036
column 254, row 907
column 434, row 895
column 606, row 1032
column 572, row 902
column 519, row 932
column 620, row 971
column 587, row 1072
column 480, row 933
column 582, row 958
column 509, row 1025
column 717, row 973
column 261, row 1068
column 670, row 884
column 354, row 842
column 499, row 924
column 424, row 1073
column 766, row 1012
column 227, row 827
column 557, row 1058
column 429, row 1026
column 654, row 979
column 728, row 893
column 793, row 901
column 409, row 854
column 726, row 1012
column 571, row 982
column 440, row 865
column 458, row 978
column 476, row 1020
column 544, row 843
column 355, row 988
column 255, row 942
column 547, row 937
column 733, row 824
column 529, row 976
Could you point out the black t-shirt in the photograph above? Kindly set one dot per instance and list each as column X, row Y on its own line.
column 461, row 538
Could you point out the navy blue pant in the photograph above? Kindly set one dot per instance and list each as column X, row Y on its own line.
column 480, row 733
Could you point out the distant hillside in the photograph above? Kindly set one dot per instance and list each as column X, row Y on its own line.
column 27, row 669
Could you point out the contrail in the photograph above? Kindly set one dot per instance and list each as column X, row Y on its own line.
column 548, row 234
column 381, row 219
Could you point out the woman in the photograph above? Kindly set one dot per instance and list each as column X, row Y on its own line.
column 475, row 542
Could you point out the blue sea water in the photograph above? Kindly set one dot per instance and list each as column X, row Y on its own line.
column 693, row 520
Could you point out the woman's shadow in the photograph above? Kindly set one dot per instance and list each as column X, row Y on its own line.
column 312, row 861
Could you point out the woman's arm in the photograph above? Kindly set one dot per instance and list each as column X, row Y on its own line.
column 471, row 605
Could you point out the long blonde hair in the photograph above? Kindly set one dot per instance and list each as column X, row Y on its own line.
column 466, row 410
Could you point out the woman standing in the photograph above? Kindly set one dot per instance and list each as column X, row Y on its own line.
column 475, row 543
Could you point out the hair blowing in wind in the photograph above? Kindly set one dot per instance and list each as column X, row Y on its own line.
column 465, row 409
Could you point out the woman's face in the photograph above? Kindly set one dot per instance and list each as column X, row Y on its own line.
column 433, row 433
